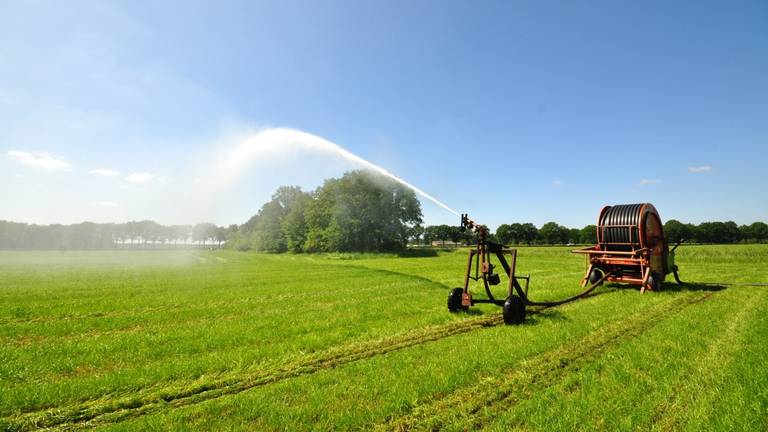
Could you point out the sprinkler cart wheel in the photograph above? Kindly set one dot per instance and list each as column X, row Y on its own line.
column 514, row 310
column 653, row 283
column 595, row 275
column 454, row 300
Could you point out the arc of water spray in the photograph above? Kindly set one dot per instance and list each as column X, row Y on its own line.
column 283, row 139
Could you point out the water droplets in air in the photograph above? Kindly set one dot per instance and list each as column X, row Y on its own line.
column 264, row 142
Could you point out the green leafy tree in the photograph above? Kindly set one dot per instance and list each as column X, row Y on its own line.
column 552, row 233
column 267, row 226
column 756, row 232
column 505, row 234
column 528, row 233
column 675, row 231
column 294, row 223
column 718, row 232
column 322, row 231
column 588, row 234
column 440, row 233
column 415, row 234
column 361, row 212
column 204, row 232
column 574, row 235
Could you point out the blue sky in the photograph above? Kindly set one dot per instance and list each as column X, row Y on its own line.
column 511, row 111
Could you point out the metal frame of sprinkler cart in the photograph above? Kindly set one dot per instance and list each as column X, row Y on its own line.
column 645, row 262
column 640, row 258
column 517, row 296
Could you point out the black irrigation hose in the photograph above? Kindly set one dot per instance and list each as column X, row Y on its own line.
column 547, row 304
column 595, row 285
column 569, row 299
column 615, row 219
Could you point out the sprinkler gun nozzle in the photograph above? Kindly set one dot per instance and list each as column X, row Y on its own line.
column 466, row 223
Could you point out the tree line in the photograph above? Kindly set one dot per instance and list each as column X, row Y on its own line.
column 359, row 212
column 551, row 233
column 512, row 234
column 89, row 235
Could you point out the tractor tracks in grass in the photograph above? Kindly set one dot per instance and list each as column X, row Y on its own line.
column 672, row 413
column 474, row 406
column 176, row 394
column 114, row 408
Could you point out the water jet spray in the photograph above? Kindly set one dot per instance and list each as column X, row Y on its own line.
column 276, row 140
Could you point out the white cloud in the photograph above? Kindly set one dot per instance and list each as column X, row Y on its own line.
column 556, row 182
column 140, row 177
column 106, row 203
column 700, row 169
column 649, row 181
column 104, row 172
column 39, row 160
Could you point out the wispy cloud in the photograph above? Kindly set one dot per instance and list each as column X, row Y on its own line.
column 556, row 183
column 700, row 169
column 39, row 160
column 106, row 203
column 140, row 177
column 649, row 181
column 104, row 172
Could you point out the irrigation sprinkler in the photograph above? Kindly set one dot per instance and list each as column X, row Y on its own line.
column 481, row 268
column 630, row 248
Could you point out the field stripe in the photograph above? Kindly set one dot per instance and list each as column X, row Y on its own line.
column 473, row 406
column 107, row 410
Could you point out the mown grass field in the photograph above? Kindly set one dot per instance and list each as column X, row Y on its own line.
column 224, row 340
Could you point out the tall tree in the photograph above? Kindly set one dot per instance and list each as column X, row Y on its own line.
column 675, row 231
column 204, row 232
column 529, row 233
column 553, row 233
column 588, row 234
column 269, row 235
column 756, row 232
column 505, row 234
column 361, row 212
column 294, row 224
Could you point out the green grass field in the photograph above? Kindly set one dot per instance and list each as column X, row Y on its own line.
column 137, row 340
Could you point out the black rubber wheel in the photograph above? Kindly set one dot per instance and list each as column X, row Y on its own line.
column 514, row 310
column 595, row 275
column 454, row 300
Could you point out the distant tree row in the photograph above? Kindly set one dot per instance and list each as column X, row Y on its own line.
column 89, row 235
column 516, row 233
column 359, row 212
column 716, row 232
column 553, row 233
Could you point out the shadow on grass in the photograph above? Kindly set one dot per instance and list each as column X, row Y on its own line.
column 533, row 317
column 417, row 253
column 537, row 313
column 476, row 312
column 671, row 287
column 551, row 312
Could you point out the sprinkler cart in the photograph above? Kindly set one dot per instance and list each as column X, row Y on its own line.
column 630, row 249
